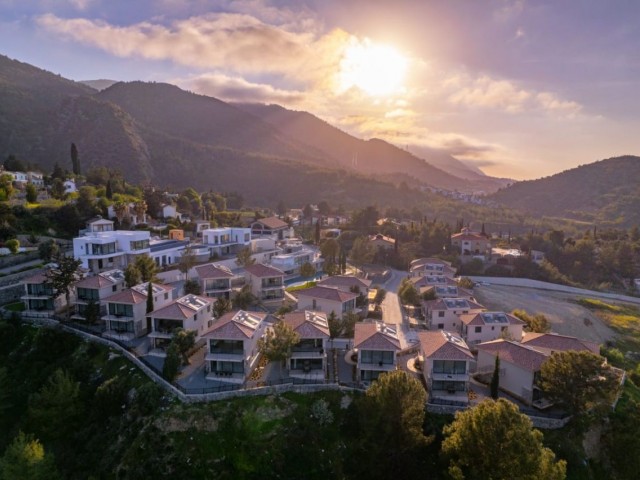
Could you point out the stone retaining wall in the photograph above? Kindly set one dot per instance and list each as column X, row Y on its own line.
column 11, row 293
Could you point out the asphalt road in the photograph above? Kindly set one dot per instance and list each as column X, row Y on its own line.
column 392, row 313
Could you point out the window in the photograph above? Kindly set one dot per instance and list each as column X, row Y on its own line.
column 166, row 296
column 106, row 249
column 114, row 288
column 478, row 329
column 139, row 244
column 120, row 310
column 450, row 367
column 88, row 294
column 441, row 314
column 441, row 326
column 377, row 356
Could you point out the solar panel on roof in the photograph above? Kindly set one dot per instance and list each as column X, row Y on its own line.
column 493, row 317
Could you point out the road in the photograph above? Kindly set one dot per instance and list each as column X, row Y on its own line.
column 392, row 313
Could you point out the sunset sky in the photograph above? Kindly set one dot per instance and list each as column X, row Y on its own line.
column 521, row 89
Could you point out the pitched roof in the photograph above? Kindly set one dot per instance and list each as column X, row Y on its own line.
column 516, row 353
column 308, row 324
column 379, row 236
column 442, row 345
column 236, row 325
column 423, row 261
column 127, row 296
column 490, row 318
column 182, row 308
column 272, row 223
column 261, row 270
column 375, row 336
column 452, row 304
column 37, row 278
column 104, row 279
column 345, row 281
column 327, row 293
column 211, row 270
column 426, row 280
column 559, row 343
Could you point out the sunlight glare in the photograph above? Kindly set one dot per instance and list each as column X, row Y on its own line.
column 376, row 69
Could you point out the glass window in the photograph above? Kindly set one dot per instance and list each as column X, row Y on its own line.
column 478, row 329
column 139, row 244
column 88, row 294
column 120, row 310
column 106, row 249
column 441, row 314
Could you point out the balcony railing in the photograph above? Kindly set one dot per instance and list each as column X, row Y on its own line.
column 455, row 377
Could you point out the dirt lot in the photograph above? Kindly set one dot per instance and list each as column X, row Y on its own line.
column 566, row 316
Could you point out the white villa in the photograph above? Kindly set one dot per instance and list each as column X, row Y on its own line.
column 444, row 313
column 232, row 351
column 267, row 283
column 486, row 326
column 226, row 240
column 190, row 312
column 309, row 356
column 327, row 299
column 377, row 345
column 94, row 290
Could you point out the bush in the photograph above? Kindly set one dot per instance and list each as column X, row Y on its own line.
column 13, row 245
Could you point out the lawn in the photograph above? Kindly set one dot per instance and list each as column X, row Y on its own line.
column 624, row 319
column 15, row 307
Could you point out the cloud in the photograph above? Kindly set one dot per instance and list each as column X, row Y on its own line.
column 486, row 92
column 233, row 41
column 237, row 89
column 508, row 10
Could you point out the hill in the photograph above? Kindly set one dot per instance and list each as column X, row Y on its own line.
column 372, row 156
column 606, row 192
column 99, row 84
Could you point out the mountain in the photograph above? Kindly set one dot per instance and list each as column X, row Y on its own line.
column 606, row 192
column 431, row 166
column 158, row 133
column 373, row 156
column 99, row 84
column 29, row 102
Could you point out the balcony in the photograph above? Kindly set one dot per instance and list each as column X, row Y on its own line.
column 377, row 366
column 224, row 357
column 450, row 377
column 118, row 318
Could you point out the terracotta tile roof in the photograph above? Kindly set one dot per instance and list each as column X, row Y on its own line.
column 308, row 324
column 516, row 353
column 423, row 261
column 441, row 345
column 182, row 308
column 379, row 236
column 559, row 343
column 96, row 281
column 37, row 278
column 426, row 280
column 127, row 296
column 452, row 304
column 236, row 325
column 345, row 281
column 212, row 270
column 261, row 270
column 272, row 223
column 326, row 293
column 375, row 336
column 490, row 318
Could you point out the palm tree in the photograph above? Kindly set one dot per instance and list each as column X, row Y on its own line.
column 140, row 207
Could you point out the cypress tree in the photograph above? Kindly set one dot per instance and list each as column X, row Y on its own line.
column 75, row 161
column 109, row 191
column 150, row 298
column 495, row 379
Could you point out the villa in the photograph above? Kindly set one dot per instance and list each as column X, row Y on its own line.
column 309, row 356
column 377, row 345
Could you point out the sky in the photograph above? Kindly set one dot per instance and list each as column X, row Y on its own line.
column 521, row 89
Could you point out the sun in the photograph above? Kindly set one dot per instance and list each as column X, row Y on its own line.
column 376, row 69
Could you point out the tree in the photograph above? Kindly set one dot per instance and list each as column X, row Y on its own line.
column 187, row 261
column 495, row 379
column 307, row 212
column 537, row 323
column 316, row 235
column 109, row 190
column 221, row 306
column 578, row 381
column 349, row 321
column 277, row 342
column 58, row 172
column 193, row 287
column 184, row 341
column 466, row 283
column 281, row 209
column 58, row 190
column 13, row 164
column 13, row 245
column 335, row 325
column 307, row 270
column 132, row 275
column 55, row 411
column 86, row 202
column 147, row 267
column 362, row 251
column 75, row 161
column 244, row 298
column 48, row 249
column 244, row 258
column 121, row 209
column 25, row 459
column 495, row 441
column 390, row 433
column 150, row 297
column 408, row 293
column 31, row 193
column 62, row 276
column 172, row 361
column 140, row 207
column 6, row 187
column 381, row 294
column 330, row 249
column 92, row 312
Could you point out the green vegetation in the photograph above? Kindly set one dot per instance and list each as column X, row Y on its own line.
column 304, row 286
column 623, row 318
